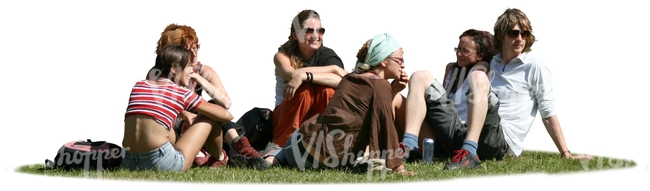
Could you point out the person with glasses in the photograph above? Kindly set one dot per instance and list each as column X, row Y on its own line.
column 306, row 73
column 359, row 120
column 206, row 78
column 524, row 84
column 461, row 114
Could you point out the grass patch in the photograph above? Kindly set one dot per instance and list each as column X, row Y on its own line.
column 528, row 162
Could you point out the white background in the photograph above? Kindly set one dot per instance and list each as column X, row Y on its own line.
column 68, row 67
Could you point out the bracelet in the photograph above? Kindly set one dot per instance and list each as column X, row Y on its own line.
column 402, row 170
column 310, row 77
column 567, row 151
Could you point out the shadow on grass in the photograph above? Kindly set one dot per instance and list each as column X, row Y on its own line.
column 528, row 162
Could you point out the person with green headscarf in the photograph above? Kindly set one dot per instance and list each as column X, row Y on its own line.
column 359, row 120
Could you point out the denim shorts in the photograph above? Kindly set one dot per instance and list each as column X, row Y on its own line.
column 164, row 158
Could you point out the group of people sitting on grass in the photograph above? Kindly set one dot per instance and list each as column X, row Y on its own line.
column 325, row 117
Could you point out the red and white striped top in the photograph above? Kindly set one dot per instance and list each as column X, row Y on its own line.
column 163, row 102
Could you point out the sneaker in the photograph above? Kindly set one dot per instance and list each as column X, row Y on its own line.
column 409, row 154
column 404, row 151
column 206, row 160
column 414, row 155
column 270, row 148
column 258, row 163
column 214, row 163
column 201, row 158
column 463, row 159
column 243, row 147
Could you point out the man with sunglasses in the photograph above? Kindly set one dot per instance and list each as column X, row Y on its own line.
column 523, row 84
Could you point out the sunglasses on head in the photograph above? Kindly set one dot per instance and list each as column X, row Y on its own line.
column 515, row 33
column 311, row 30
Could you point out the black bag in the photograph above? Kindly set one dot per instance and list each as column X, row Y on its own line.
column 257, row 127
column 87, row 155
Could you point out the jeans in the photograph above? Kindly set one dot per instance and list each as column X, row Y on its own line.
column 165, row 158
column 293, row 154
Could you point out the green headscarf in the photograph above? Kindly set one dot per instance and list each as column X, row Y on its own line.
column 381, row 46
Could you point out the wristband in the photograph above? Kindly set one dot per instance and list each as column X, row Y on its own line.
column 567, row 151
column 310, row 77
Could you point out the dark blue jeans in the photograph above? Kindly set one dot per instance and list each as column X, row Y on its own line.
column 293, row 154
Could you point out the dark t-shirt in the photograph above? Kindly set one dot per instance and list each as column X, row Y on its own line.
column 324, row 56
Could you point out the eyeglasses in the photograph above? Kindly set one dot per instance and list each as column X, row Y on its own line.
column 398, row 60
column 311, row 30
column 515, row 33
column 462, row 51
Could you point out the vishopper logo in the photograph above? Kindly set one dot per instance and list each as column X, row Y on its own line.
column 159, row 92
column 376, row 158
column 93, row 158
column 298, row 29
column 461, row 78
column 155, row 74
column 604, row 163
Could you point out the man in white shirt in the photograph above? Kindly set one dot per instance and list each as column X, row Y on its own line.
column 523, row 84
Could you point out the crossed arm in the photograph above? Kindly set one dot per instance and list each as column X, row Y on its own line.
column 324, row 75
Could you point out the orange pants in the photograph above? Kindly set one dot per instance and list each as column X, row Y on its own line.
column 309, row 100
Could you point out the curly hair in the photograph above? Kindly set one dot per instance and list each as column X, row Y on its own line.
column 291, row 46
column 174, row 34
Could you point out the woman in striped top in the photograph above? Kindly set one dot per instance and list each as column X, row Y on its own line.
column 154, row 104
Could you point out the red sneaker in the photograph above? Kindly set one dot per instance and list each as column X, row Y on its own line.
column 202, row 158
column 207, row 160
column 463, row 159
column 214, row 163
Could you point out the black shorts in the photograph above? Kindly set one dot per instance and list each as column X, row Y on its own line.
column 450, row 131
